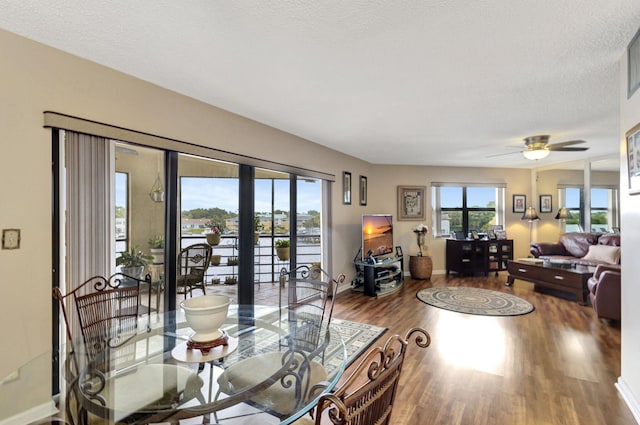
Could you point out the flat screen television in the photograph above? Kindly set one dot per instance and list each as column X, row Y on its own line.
column 377, row 235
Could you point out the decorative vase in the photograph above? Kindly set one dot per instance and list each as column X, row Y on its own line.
column 213, row 238
column 420, row 239
column 205, row 315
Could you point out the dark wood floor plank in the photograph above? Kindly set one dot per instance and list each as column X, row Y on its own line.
column 556, row 365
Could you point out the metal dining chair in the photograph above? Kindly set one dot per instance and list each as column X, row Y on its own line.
column 367, row 395
column 298, row 365
column 106, row 314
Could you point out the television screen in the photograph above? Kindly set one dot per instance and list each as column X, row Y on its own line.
column 377, row 235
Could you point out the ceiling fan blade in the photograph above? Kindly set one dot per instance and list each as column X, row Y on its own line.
column 554, row 146
column 567, row 149
column 503, row 154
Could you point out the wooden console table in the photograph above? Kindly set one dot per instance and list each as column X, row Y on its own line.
column 478, row 256
column 572, row 278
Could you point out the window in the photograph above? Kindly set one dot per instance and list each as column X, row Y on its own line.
column 122, row 211
column 573, row 202
column 604, row 214
column 465, row 208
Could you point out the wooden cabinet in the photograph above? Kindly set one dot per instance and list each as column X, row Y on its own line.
column 478, row 256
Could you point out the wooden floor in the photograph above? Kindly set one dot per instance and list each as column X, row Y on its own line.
column 555, row 366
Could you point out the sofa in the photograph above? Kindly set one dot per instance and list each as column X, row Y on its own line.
column 604, row 291
column 590, row 249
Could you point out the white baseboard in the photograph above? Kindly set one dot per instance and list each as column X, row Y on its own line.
column 629, row 398
column 31, row 415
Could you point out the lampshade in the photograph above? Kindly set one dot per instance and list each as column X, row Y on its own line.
column 563, row 214
column 530, row 214
column 535, row 154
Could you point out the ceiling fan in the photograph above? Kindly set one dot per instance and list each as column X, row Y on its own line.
column 538, row 147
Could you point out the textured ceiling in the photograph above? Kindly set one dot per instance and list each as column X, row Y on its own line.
column 430, row 82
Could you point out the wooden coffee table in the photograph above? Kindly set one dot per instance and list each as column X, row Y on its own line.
column 568, row 278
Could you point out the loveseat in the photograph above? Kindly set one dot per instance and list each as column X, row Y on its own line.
column 588, row 249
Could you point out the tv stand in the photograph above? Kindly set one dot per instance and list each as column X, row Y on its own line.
column 379, row 278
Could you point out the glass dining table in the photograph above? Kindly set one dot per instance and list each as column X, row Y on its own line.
column 155, row 377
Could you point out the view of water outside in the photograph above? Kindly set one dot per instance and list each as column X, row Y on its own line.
column 222, row 194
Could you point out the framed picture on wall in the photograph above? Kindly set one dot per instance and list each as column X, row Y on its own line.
column 346, row 188
column 546, row 204
column 633, row 159
column 519, row 203
column 411, row 202
column 363, row 190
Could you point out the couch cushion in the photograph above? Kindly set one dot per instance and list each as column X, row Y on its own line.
column 603, row 253
column 577, row 244
column 609, row 239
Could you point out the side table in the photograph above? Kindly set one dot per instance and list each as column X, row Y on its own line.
column 420, row 267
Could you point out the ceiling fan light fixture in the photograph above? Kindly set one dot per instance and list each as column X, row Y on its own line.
column 535, row 154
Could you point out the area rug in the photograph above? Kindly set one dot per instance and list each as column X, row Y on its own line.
column 478, row 301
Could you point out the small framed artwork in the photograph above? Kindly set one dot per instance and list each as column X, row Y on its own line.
column 474, row 235
column 346, row 188
column 398, row 251
column 501, row 235
column 519, row 203
column 411, row 202
column 491, row 234
column 363, row 190
column 633, row 65
column 546, row 204
column 633, row 159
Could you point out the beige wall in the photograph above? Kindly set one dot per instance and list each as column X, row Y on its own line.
column 35, row 78
column 382, row 198
column 629, row 382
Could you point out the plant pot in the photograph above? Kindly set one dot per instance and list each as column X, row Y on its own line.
column 215, row 260
column 230, row 280
column 232, row 261
column 283, row 253
column 213, row 238
column 420, row 267
column 135, row 272
column 158, row 255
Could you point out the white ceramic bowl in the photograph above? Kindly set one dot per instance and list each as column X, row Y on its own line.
column 205, row 315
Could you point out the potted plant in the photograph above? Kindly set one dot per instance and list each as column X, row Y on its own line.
column 156, row 246
column 213, row 238
column 133, row 262
column 257, row 225
column 282, row 249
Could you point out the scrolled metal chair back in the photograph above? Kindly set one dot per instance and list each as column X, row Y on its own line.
column 311, row 293
column 371, row 401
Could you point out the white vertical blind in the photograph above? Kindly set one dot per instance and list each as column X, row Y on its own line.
column 88, row 218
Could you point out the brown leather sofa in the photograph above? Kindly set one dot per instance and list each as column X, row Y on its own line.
column 575, row 247
column 604, row 291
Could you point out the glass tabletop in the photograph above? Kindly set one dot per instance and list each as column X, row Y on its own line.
column 263, row 368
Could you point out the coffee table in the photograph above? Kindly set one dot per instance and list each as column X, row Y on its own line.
column 564, row 277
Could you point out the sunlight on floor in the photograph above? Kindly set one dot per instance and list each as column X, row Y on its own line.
column 474, row 342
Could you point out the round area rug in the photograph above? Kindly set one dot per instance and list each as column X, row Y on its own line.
column 475, row 301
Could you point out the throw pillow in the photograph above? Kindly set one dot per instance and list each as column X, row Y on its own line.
column 603, row 253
